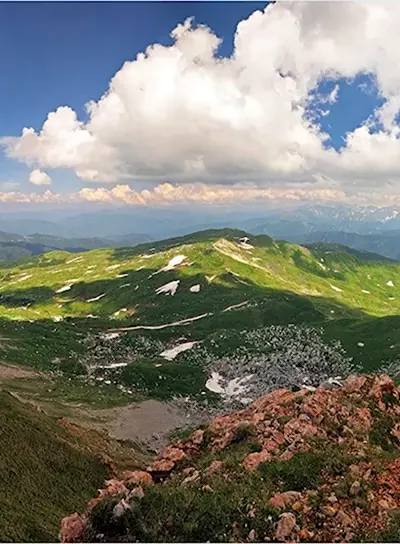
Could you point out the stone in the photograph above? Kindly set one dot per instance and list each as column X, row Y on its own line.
column 305, row 534
column 282, row 500
column 120, row 508
column 344, row 519
column 253, row 460
column 355, row 488
column 136, row 493
column 354, row 384
column 215, row 465
column 285, row 526
column 173, row 454
column 192, row 478
column 329, row 511
column 382, row 384
column 72, row 528
column 332, row 498
column 197, row 437
column 114, row 487
column 161, row 466
column 137, row 477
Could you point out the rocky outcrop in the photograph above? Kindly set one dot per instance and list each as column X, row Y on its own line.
column 345, row 431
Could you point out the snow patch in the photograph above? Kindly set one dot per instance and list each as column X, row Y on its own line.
column 195, row 288
column 367, row 292
column 94, row 299
column 74, row 260
column 169, row 288
column 121, row 310
column 390, row 283
column 175, row 261
column 171, row 353
column 243, row 243
column 234, row 306
column 213, row 383
column 113, row 267
column 232, row 388
column 110, row 336
column 158, row 327
column 360, row 344
column 24, row 278
column 336, row 288
column 64, row 288
column 113, row 365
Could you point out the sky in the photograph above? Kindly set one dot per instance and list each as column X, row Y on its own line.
column 163, row 103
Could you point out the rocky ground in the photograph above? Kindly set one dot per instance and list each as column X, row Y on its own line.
column 319, row 466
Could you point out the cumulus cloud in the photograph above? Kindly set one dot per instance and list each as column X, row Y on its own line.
column 183, row 114
column 37, row 177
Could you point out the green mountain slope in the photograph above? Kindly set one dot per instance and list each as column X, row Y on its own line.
column 105, row 317
column 47, row 469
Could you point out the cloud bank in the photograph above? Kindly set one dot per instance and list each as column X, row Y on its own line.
column 181, row 114
column 198, row 193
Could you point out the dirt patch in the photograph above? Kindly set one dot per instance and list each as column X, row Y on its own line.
column 9, row 372
column 150, row 422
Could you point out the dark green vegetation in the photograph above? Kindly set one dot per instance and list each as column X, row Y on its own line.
column 46, row 470
column 51, row 304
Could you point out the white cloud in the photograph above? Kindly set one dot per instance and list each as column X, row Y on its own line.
column 167, row 194
column 182, row 114
column 37, row 177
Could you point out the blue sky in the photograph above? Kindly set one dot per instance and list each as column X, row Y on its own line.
column 65, row 54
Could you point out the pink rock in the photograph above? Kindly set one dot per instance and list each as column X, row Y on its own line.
column 382, row 384
column 72, row 528
column 253, row 460
column 163, row 465
column 285, row 526
column 137, row 477
column 282, row 500
column 215, row 465
column 354, row 384
column 197, row 437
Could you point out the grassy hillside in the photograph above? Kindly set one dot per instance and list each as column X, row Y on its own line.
column 102, row 320
column 47, row 469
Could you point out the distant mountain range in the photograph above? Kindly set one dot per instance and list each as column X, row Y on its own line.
column 159, row 223
column 14, row 247
column 372, row 229
column 386, row 244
